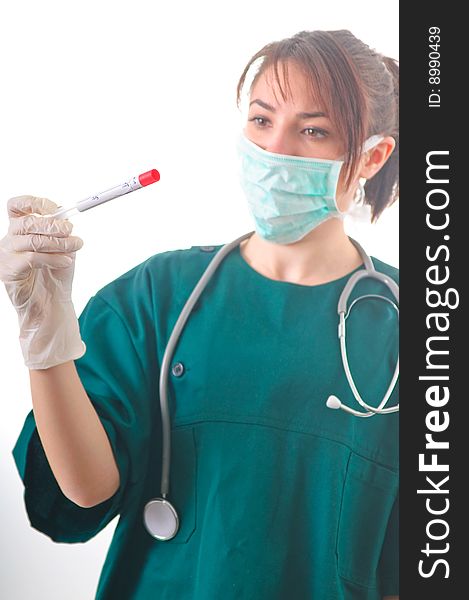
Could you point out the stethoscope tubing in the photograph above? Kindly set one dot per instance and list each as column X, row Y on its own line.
column 168, row 354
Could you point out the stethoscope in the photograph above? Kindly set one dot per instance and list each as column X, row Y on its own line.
column 159, row 515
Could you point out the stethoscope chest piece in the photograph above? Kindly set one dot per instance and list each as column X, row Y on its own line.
column 160, row 519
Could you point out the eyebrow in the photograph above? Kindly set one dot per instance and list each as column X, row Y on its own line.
column 301, row 115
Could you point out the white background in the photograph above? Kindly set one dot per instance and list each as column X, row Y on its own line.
column 94, row 92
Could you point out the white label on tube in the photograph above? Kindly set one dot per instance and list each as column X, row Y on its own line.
column 114, row 192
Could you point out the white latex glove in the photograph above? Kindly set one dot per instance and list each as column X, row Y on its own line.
column 37, row 263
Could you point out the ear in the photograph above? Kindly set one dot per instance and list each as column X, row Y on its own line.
column 375, row 158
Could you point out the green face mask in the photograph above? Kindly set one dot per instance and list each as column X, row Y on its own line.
column 289, row 196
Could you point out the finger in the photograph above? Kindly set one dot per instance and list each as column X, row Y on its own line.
column 40, row 225
column 45, row 243
column 23, row 205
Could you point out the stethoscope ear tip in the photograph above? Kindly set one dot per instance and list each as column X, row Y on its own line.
column 333, row 402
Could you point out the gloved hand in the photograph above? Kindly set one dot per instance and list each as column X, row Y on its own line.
column 37, row 263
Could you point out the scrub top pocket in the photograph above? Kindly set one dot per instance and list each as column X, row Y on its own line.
column 369, row 493
column 183, row 482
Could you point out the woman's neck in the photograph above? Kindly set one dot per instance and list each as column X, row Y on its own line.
column 324, row 254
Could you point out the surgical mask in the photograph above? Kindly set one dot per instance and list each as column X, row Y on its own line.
column 289, row 196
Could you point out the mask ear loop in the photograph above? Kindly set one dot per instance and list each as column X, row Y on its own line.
column 371, row 142
column 359, row 210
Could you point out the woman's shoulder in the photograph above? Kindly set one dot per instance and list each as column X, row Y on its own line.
column 161, row 271
column 179, row 263
column 181, row 256
column 386, row 268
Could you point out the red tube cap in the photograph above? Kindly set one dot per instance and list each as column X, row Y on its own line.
column 149, row 177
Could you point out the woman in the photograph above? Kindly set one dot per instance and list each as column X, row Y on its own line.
column 277, row 495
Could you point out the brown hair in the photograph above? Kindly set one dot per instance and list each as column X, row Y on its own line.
column 360, row 89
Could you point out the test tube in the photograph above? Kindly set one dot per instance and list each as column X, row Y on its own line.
column 132, row 184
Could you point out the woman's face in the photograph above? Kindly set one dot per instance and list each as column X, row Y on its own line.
column 295, row 126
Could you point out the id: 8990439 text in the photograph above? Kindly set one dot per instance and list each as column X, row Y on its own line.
column 434, row 73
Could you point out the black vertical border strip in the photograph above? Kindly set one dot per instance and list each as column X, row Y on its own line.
column 425, row 128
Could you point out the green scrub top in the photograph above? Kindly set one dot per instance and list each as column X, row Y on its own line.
column 278, row 496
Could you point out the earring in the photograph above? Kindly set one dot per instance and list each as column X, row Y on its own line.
column 360, row 193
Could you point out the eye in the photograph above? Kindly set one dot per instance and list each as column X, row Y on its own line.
column 315, row 132
column 259, row 121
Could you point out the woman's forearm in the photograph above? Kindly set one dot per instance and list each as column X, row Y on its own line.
column 75, row 442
